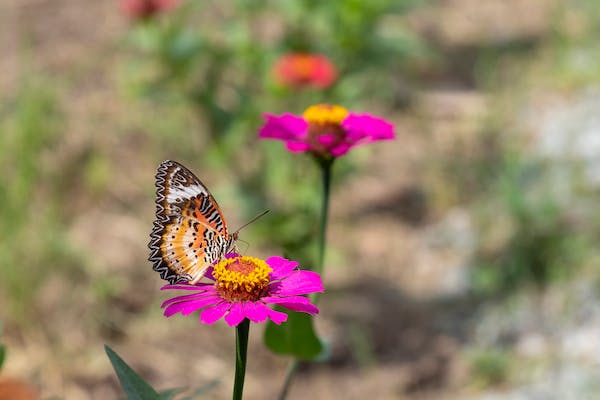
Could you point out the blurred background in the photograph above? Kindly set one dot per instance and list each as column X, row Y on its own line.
column 463, row 258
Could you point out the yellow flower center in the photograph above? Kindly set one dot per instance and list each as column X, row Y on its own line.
column 325, row 114
column 242, row 278
column 325, row 130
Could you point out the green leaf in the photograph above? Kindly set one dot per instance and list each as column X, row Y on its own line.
column 135, row 387
column 2, row 354
column 295, row 337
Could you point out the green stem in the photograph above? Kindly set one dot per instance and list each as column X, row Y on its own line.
column 325, row 165
column 241, row 352
column 322, row 238
column 325, row 187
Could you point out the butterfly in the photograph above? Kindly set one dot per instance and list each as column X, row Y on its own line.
column 190, row 233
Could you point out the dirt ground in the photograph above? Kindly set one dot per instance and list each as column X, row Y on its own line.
column 396, row 312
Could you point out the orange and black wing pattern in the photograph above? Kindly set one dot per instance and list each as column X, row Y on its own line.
column 189, row 233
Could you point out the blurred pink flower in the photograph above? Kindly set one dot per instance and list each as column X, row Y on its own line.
column 144, row 9
column 325, row 130
column 299, row 70
column 243, row 286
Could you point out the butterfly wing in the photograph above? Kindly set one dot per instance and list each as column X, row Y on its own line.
column 189, row 233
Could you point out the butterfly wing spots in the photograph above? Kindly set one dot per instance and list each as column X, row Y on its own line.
column 188, row 247
column 204, row 209
column 189, row 233
column 167, row 270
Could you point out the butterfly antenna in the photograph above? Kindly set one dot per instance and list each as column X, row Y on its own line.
column 251, row 221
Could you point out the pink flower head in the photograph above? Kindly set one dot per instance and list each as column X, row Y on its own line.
column 300, row 70
column 243, row 286
column 327, row 131
column 144, row 9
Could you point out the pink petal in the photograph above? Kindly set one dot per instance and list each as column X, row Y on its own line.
column 213, row 314
column 236, row 314
column 297, row 147
column 366, row 128
column 209, row 273
column 282, row 267
column 283, row 127
column 295, row 303
column 256, row 312
column 326, row 140
column 276, row 316
column 289, row 299
column 306, row 308
column 340, row 149
column 194, row 296
column 188, row 307
column 298, row 282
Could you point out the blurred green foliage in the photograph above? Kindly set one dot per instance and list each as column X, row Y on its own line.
column 32, row 241
column 206, row 70
column 217, row 60
column 489, row 367
column 532, row 214
column 542, row 241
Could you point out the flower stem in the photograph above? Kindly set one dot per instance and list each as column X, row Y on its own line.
column 325, row 165
column 241, row 351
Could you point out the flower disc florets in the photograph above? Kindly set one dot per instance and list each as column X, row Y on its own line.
column 243, row 287
column 242, row 278
column 324, row 114
column 325, row 127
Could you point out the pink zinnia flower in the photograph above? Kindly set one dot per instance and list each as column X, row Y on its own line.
column 243, row 286
column 299, row 70
column 326, row 131
column 144, row 9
